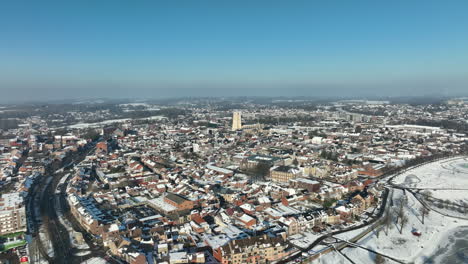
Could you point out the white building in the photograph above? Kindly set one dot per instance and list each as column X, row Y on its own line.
column 12, row 214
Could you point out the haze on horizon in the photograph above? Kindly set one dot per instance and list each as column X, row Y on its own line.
column 119, row 49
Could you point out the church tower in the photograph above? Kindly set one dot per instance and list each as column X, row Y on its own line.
column 236, row 121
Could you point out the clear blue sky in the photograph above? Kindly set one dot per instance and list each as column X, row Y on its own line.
column 50, row 49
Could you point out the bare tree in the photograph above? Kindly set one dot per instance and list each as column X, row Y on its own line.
column 387, row 222
column 377, row 231
column 427, row 193
column 465, row 207
column 396, row 212
column 379, row 259
column 403, row 201
column 261, row 170
column 448, row 202
column 403, row 222
column 423, row 211
column 390, row 227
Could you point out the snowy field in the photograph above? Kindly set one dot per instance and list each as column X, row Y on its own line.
column 447, row 174
column 405, row 247
column 439, row 234
column 112, row 121
column 98, row 124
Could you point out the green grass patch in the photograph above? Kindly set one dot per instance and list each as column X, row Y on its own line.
column 15, row 244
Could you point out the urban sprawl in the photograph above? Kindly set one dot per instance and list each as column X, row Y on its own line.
column 196, row 182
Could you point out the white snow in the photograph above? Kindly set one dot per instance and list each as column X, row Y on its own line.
column 82, row 253
column 95, row 261
column 303, row 240
column 406, row 246
column 112, row 121
column 442, row 174
column 97, row 124
column 44, row 237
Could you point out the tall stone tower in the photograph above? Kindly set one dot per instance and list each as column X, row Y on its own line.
column 236, row 121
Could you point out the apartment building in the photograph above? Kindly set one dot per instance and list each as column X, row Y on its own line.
column 259, row 249
column 283, row 174
column 12, row 214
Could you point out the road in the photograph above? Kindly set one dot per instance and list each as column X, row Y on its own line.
column 43, row 195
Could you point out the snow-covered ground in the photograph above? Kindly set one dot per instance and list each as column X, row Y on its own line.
column 78, row 244
column 436, row 230
column 451, row 174
column 303, row 240
column 108, row 122
column 95, row 261
column 135, row 104
column 453, row 248
column 82, row 253
column 97, row 124
column 44, row 236
column 406, row 246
